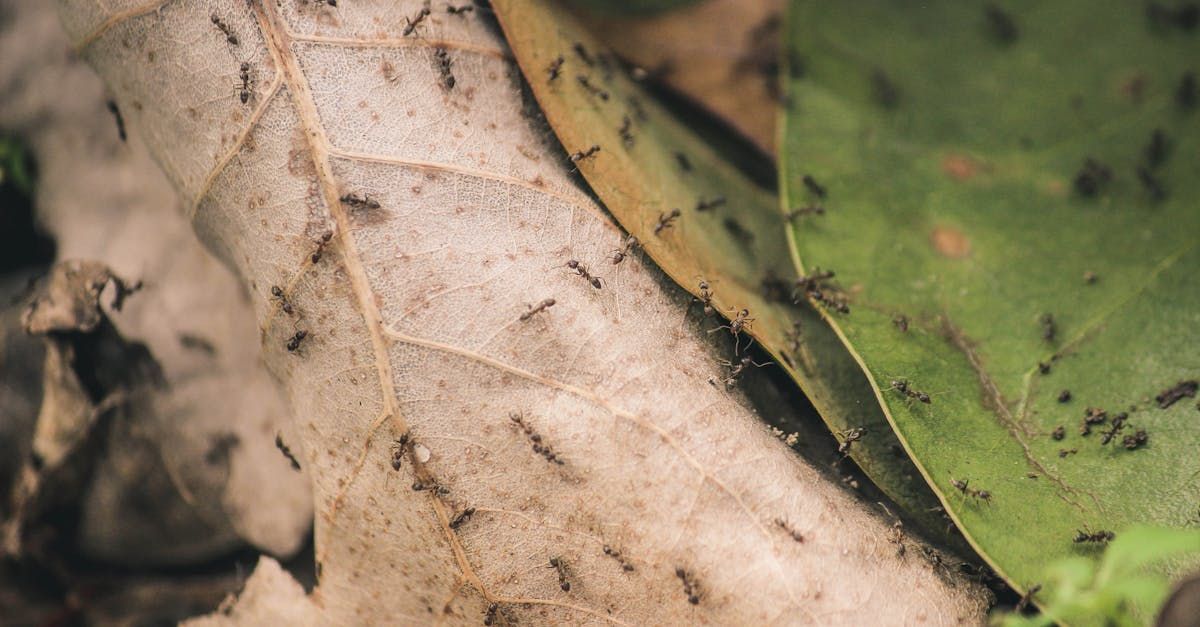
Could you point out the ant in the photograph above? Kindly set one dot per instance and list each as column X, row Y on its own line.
column 1099, row 537
column 1136, row 440
column 666, row 220
column 414, row 22
column 625, row 132
column 813, row 286
column 705, row 298
column 583, row 54
column 813, row 187
column 690, row 588
column 460, row 11
column 244, row 90
column 705, row 205
column 810, row 210
column 284, row 303
column 615, row 554
column 582, row 271
column 116, row 113
column 1027, row 598
column 359, row 202
column 849, row 437
column 434, row 486
column 536, row 309
column 462, row 517
column 287, row 452
column 902, row 386
column 736, row 370
column 740, row 322
column 580, row 155
column 591, row 89
column 560, row 565
column 321, row 244
column 555, row 68
column 444, row 63
column 619, row 254
column 901, row 322
column 791, row 531
column 738, row 232
column 224, row 28
column 1118, row 425
column 293, row 343
column 399, row 447
column 961, row 486
column 490, row 616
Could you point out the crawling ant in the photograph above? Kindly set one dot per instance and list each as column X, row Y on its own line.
column 690, row 587
column 560, row 565
column 979, row 495
column 293, row 343
column 580, row 155
column 902, row 386
column 536, row 309
column 791, row 531
column 736, row 370
column 444, row 62
column 582, row 271
column 583, row 54
column 1118, row 425
column 460, row 11
column 813, row 187
column 741, row 322
column 399, row 448
column 615, row 554
column 1064, row 452
column 1098, row 537
column 244, row 89
column 1049, row 329
column 112, row 108
column 490, row 616
column 554, row 69
column 414, row 22
column 849, row 437
column 705, row 298
column 1092, row 416
column 432, row 486
column 810, row 210
column 705, row 205
column 1059, row 432
column 224, row 28
column 813, row 286
column 618, row 255
column 1091, row 177
column 1135, row 441
column 1027, row 598
column 284, row 303
column 1064, row 396
column 287, row 452
column 625, row 131
column 738, row 232
column 359, row 202
column 462, row 518
column 901, row 322
column 321, row 244
column 666, row 220
column 684, row 163
column 586, row 83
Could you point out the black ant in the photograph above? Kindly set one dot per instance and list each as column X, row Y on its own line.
column 560, row 565
column 444, row 63
column 359, row 202
column 738, row 232
column 810, row 210
column 583, row 54
column 462, row 517
column 705, row 299
column 554, row 69
column 961, row 486
column 1091, row 177
column 619, row 254
column 741, row 322
column 321, row 244
column 244, row 90
column 287, row 452
column 813, row 187
column 399, row 448
column 591, row 89
column 293, row 343
column 1027, row 598
column 1136, row 440
column 460, row 11
column 705, row 205
column 615, row 554
column 1092, row 416
column 432, row 486
column 284, row 303
column 791, row 531
column 902, row 386
column 1118, row 425
column 690, row 587
column 112, row 108
column 625, row 131
column 849, row 437
column 490, row 616
column 536, row 309
column 1099, row 537
column 580, row 155
column 666, row 220
column 1064, row 396
column 736, row 370
column 414, row 22
column 582, row 271
column 224, row 28
column 813, row 286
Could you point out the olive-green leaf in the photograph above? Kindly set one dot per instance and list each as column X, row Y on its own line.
column 1019, row 184
column 729, row 233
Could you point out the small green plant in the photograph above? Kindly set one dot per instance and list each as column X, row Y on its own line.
column 1114, row 590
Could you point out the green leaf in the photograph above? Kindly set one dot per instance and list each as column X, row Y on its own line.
column 952, row 142
column 648, row 165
